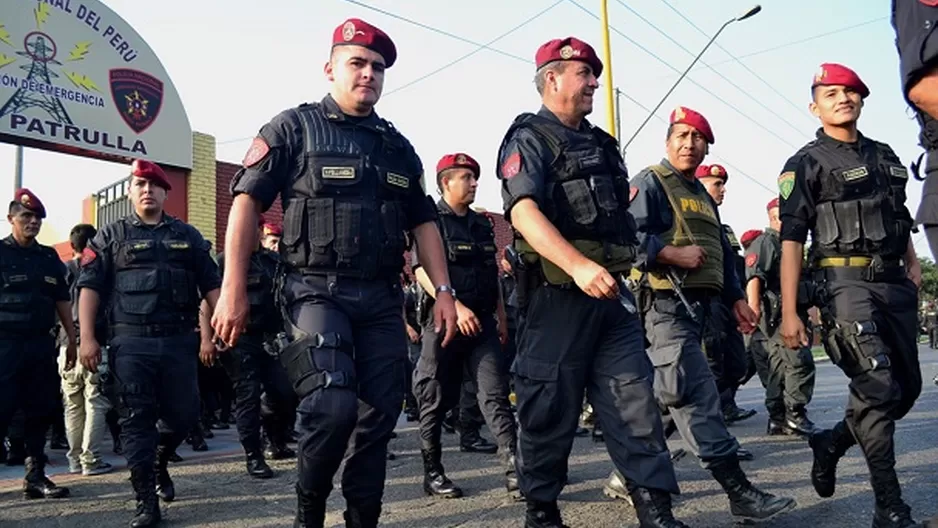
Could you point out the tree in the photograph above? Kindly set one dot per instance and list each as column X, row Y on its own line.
column 929, row 290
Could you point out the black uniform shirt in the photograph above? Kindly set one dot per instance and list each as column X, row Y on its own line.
column 98, row 274
column 762, row 259
column 653, row 217
column 40, row 256
column 285, row 160
column 799, row 183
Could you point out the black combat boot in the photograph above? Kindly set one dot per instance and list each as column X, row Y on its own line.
column 362, row 515
column 310, row 509
column 36, row 485
column 470, row 441
column 829, row 445
column 543, row 515
column 435, row 482
column 796, row 419
column 164, row 484
column 257, row 467
column 16, row 452
column 891, row 511
column 747, row 500
column 511, row 478
column 276, row 441
column 653, row 508
column 776, row 426
column 733, row 413
column 148, row 506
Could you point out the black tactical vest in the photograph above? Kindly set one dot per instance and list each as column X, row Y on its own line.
column 154, row 275
column 860, row 201
column 27, row 296
column 344, row 214
column 588, row 185
column 264, row 315
column 471, row 254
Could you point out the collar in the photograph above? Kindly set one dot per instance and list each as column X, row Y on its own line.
column 771, row 232
column 334, row 113
column 10, row 241
column 137, row 222
column 824, row 138
column 695, row 184
column 444, row 208
column 545, row 112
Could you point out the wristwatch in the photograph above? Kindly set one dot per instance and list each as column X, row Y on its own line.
column 443, row 288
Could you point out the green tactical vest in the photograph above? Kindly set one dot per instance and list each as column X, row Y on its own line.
column 694, row 212
column 613, row 257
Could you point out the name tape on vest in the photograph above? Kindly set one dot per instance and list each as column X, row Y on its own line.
column 855, row 174
column 398, row 181
column 899, row 172
column 338, row 173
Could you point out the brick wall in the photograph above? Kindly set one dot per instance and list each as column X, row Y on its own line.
column 224, row 172
column 201, row 203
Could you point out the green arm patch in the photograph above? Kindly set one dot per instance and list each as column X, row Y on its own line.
column 786, row 184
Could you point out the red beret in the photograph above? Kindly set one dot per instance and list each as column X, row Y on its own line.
column 831, row 74
column 685, row 115
column 749, row 236
column 773, row 203
column 357, row 32
column 30, row 201
column 150, row 171
column 273, row 229
column 457, row 160
column 570, row 48
column 712, row 171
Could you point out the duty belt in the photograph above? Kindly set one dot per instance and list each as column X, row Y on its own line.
column 869, row 269
column 150, row 330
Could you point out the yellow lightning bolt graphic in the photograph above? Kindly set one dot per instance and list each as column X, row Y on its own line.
column 42, row 13
column 82, row 81
column 5, row 35
column 4, row 60
column 79, row 52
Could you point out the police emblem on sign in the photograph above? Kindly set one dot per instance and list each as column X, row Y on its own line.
column 138, row 97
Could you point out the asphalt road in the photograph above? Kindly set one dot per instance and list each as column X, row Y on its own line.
column 213, row 491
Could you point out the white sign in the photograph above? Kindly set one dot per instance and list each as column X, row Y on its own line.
column 74, row 75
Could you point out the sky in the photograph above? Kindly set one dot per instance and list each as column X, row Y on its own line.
column 465, row 70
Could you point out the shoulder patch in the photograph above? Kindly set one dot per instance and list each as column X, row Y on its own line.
column 512, row 166
column 786, row 184
column 751, row 260
column 633, row 192
column 256, row 152
column 87, row 256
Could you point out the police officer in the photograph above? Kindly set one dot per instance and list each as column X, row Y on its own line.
column 756, row 355
column 33, row 293
column 791, row 372
column 411, row 411
column 351, row 188
column 917, row 44
column 848, row 192
column 252, row 369
column 723, row 343
column 148, row 270
column 469, row 241
column 686, row 261
column 565, row 190
column 272, row 234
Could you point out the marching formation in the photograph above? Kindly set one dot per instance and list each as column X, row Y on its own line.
column 627, row 299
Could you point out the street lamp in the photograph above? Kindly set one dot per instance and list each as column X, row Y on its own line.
column 751, row 12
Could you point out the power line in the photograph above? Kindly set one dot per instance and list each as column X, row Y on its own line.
column 478, row 49
column 702, row 87
column 721, row 158
column 718, row 63
column 725, row 78
column 799, row 109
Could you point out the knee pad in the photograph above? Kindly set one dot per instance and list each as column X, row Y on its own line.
column 319, row 361
column 857, row 347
